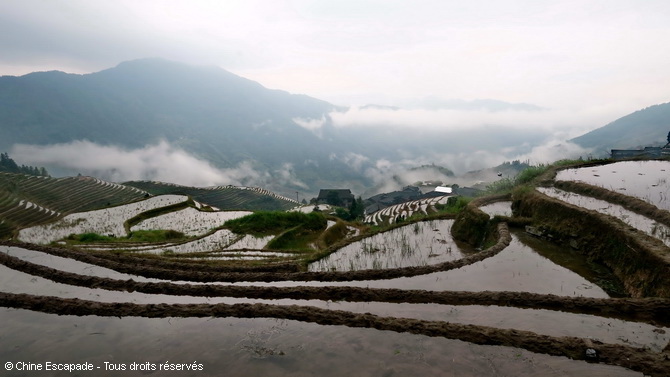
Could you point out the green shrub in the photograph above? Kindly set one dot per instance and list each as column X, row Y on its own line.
column 454, row 204
column 265, row 222
column 291, row 239
column 136, row 236
column 506, row 185
column 530, row 173
column 500, row 186
column 90, row 237
column 154, row 235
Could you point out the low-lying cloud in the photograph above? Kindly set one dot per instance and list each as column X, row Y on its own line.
column 570, row 122
column 389, row 175
column 167, row 163
column 160, row 162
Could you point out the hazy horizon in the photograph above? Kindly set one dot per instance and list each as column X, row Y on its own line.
column 443, row 68
column 591, row 61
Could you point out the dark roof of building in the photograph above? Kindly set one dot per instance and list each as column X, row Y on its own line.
column 342, row 193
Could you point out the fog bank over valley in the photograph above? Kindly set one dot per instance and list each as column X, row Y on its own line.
column 161, row 162
column 168, row 163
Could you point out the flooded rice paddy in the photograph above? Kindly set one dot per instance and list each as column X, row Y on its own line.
column 108, row 221
column 503, row 208
column 419, row 244
column 646, row 180
column 637, row 221
column 519, row 268
column 189, row 221
column 280, row 346
column 222, row 239
column 390, row 215
column 564, row 324
column 266, row 347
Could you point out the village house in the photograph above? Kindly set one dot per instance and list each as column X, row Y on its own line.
column 647, row 152
column 335, row 197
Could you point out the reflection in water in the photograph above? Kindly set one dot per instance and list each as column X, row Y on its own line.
column 251, row 347
column 517, row 268
column 576, row 262
column 265, row 347
column 503, row 208
column 189, row 221
column 646, row 180
column 418, row 244
column 540, row 321
column 637, row 221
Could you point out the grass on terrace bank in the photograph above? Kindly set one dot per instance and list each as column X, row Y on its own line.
column 136, row 236
column 266, row 223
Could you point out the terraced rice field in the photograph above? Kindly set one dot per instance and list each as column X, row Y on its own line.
column 189, row 221
column 107, row 221
column 30, row 200
column 646, row 180
column 503, row 208
column 310, row 208
column 390, row 215
column 411, row 300
column 420, row 244
column 240, row 246
column 642, row 223
column 206, row 241
column 222, row 197
column 320, row 322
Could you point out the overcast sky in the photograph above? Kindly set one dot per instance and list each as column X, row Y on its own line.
column 591, row 61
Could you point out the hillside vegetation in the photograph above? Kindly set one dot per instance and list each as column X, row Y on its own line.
column 646, row 127
column 27, row 200
column 8, row 165
column 207, row 111
column 221, row 197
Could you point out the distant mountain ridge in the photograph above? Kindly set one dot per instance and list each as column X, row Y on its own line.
column 211, row 113
column 290, row 142
column 142, row 101
column 646, row 127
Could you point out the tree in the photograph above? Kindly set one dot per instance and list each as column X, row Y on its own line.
column 342, row 213
column 357, row 210
column 8, row 165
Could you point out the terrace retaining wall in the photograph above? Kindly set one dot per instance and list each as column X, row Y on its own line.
column 641, row 262
column 472, row 225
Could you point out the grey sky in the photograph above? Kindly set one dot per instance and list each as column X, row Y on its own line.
column 587, row 62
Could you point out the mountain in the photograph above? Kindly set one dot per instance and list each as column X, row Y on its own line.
column 209, row 112
column 646, row 127
column 253, row 135
column 142, row 101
